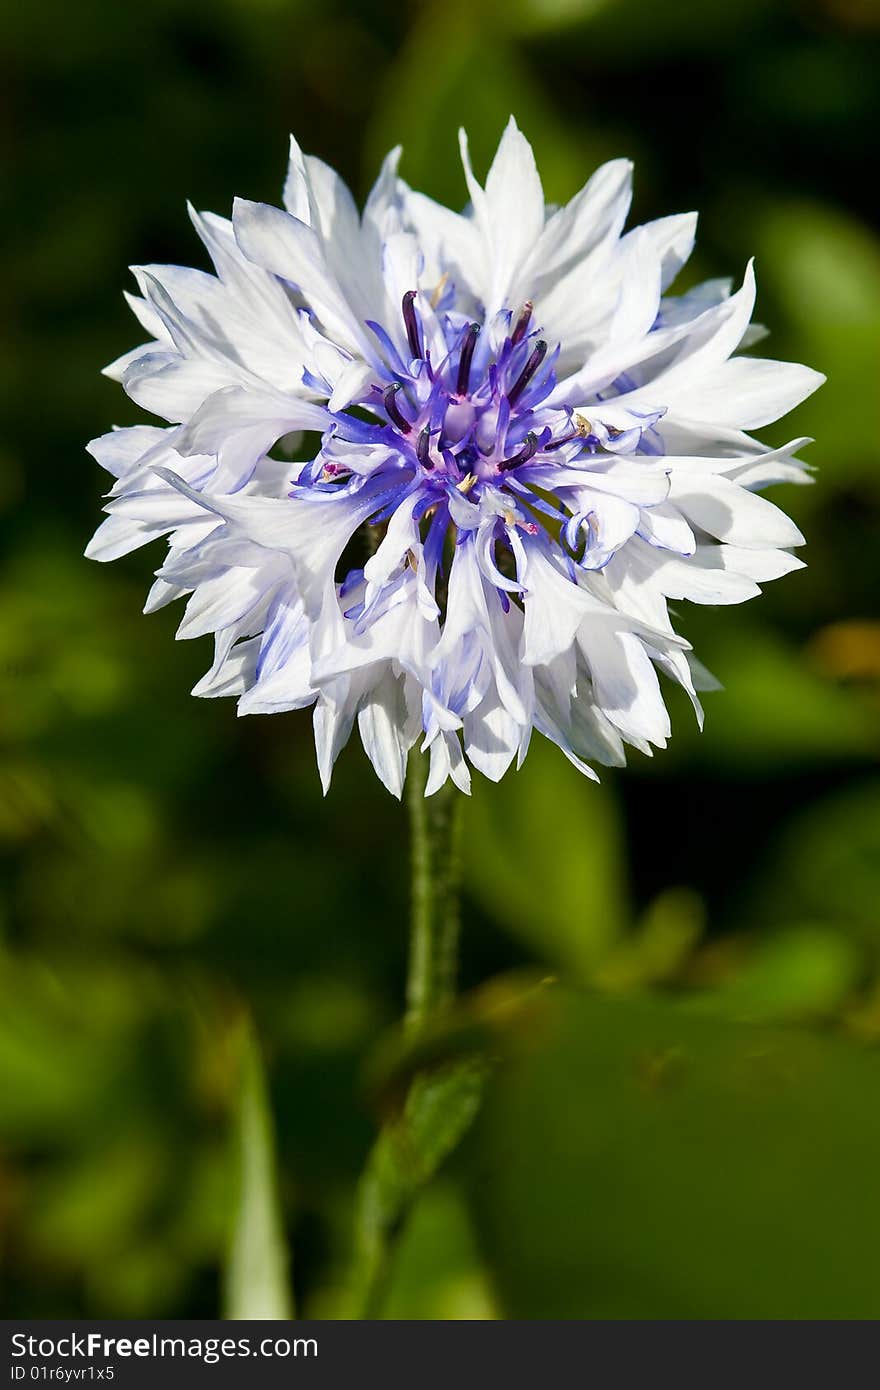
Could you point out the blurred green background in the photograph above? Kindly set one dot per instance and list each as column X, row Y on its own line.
column 686, row 1124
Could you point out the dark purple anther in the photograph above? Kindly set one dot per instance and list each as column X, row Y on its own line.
column 392, row 409
column 423, row 447
column 410, row 318
column 522, row 322
column 539, row 352
column 564, row 439
column 528, row 450
column 465, row 359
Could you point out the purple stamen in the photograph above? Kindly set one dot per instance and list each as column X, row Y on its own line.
column 454, row 464
column 410, row 318
column 392, row 409
column 528, row 450
column 539, row 352
column 465, row 359
column 423, row 447
column 563, row 439
column 522, row 322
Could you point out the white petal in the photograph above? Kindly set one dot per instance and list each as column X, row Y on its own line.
column 232, row 675
column 118, row 536
column 351, row 385
column 509, row 211
column 731, row 513
column 401, row 535
column 554, row 609
column 595, row 215
column 333, row 720
column 447, row 761
column 672, row 239
column 625, row 682
column 224, row 600
column 474, row 609
column 746, row 392
column 757, row 565
column 706, row 344
column 382, row 727
column 491, row 739
column 665, row 526
column 240, row 425
column 172, row 386
column 313, row 533
column 293, row 250
column 147, row 317
column 451, row 243
column 121, row 451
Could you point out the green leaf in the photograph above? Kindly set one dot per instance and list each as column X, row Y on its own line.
column 257, row 1278
column 804, row 972
column 439, row 1108
column 437, row 1271
column 658, row 947
column 642, row 1161
column 825, row 865
column 543, row 856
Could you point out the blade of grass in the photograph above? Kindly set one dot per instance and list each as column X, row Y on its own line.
column 257, row 1275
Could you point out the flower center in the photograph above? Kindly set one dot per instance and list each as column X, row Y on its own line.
column 459, row 437
column 468, row 414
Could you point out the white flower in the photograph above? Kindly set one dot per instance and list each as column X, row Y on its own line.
column 523, row 448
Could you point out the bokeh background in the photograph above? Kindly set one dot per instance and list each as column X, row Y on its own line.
column 686, row 1124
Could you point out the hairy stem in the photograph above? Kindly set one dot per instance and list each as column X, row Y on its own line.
column 435, row 830
column 441, row 1102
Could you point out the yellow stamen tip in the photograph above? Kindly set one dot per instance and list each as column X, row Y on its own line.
column 438, row 292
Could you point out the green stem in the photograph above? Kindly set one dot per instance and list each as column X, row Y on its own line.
column 435, row 829
column 440, row 1103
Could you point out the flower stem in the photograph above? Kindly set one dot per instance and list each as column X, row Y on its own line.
column 441, row 1102
column 435, row 830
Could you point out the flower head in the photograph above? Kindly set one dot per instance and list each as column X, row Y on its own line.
column 517, row 448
